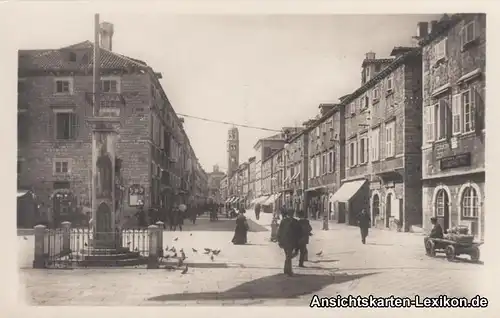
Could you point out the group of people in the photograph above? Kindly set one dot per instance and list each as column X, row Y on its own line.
column 174, row 216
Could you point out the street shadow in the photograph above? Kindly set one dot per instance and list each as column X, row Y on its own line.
column 324, row 261
column 460, row 260
column 195, row 265
column 220, row 225
column 253, row 244
column 270, row 287
column 380, row 244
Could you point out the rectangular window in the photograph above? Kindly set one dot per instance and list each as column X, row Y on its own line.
column 352, row 154
column 390, row 137
column 441, row 116
column 375, row 144
column 429, row 113
column 63, row 86
column 468, row 112
column 318, row 166
column 66, row 125
column 317, row 132
column 352, row 108
column 389, row 84
column 324, row 165
column 363, row 150
column 468, row 33
column 313, row 174
column 331, row 161
column 376, row 94
column 61, row 166
column 456, row 114
column 440, row 50
column 109, row 86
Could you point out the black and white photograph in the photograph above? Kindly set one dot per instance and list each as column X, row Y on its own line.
column 302, row 160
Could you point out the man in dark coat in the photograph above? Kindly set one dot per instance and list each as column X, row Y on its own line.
column 364, row 224
column 289, row 233
column 306, row 229
column 257, row 211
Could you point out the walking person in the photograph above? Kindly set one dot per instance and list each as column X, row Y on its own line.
column 257, row 211
column 241, row 230
column 289, row 233
column 306, row 231
column 364, row 224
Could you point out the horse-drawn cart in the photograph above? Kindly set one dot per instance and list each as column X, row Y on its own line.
column 452, row 248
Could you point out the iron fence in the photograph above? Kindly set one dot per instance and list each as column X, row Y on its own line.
column 86, row 247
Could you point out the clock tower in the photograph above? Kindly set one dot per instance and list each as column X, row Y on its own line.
column 233, row 151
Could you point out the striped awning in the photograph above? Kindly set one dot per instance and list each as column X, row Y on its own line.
column 272, row 199
column 22, row 193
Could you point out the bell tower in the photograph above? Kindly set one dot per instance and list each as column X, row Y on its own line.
column 233, row 151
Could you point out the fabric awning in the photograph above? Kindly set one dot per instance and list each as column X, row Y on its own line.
column 236, row 200
column 228, row 200
column 254, row 201
column 21, row 193
column 316, row 188
column 295, row 176
column 347, row 191
column 272, row 199
column 262, row 198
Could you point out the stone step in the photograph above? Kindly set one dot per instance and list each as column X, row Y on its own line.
column 104, row 251
column 114, row 263
column 113, row 256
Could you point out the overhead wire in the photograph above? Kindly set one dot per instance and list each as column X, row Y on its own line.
column 229, row 123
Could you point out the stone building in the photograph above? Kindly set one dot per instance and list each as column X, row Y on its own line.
column 251, row 180
column 263, row 149
column 267, row 170
column 214, row 184
column 382, row 143
column 295, row 180
column 155, row 161
column 224, row 189
column 453, row 151
column 324, row 156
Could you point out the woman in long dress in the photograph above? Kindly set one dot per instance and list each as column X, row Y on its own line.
column 241, row 230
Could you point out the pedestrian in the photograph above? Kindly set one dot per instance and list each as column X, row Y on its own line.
column 241, row 229
column 364, row 223
column 289, row 233
column 141, row 217
column 257, row 211
column 436, row 232
column 194, row 214
column 181, row 215
column 306, row 231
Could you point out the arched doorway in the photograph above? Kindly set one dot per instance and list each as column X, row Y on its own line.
column 441, row 208
column 388, row 207
column 375, row 208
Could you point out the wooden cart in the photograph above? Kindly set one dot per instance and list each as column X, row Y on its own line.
column 452, row 249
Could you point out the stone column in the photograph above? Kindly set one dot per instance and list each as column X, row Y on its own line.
column 153, row 247
column 39, row 259
column 66, row 236
column 160, row 224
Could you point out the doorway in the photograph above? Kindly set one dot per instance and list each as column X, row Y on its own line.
column 375, row 208
column 442, row 208
column 388, row 207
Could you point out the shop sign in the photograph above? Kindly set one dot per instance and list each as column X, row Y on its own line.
column 456, row 161
column 136, row 194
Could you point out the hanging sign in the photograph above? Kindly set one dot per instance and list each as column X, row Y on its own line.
column 136, row 194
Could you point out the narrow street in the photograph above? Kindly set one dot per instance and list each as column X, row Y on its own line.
column 389, row 264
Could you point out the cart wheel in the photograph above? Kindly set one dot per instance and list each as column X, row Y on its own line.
column 430, row 248
column 450, row 253
column 474, row 254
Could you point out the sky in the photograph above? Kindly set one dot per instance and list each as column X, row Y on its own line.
column 269, row 71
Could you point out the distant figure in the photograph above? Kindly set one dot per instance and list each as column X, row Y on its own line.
column 141, row 217
column 257, row 211
column 241, row 230
column 436, row 232
column 289, row 233
column 364, row 224
column 177, row 218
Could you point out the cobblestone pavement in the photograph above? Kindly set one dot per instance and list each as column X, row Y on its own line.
column 389, row 264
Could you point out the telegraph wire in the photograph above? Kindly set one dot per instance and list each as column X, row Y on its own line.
column 229, row 123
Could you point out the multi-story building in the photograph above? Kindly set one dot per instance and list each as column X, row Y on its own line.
column 277, row 178
column 214, row 184
column 453, row 150
column 263, row 150
column 245, row 184
column 224, row 189
column 251, row 180
column 382, row 143
column 54, row 144
column 267, row 169
column 296, row 171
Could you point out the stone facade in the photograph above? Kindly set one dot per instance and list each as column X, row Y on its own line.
column 453, row 151
column 54, row 149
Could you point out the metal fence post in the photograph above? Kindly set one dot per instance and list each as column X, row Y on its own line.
column 39, row 259
column 66, row 237
column 160, row 225
column 153, row 247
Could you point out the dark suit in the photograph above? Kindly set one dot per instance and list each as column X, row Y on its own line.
column 364, row 224
column 289, row 233
column 306, row 230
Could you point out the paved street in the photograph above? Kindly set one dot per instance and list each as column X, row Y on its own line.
column 390, row 263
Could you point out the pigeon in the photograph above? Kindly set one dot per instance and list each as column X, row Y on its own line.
column 180, row 262
column 25, row 238
column 207, row 250
column 185, row 270
column 319, row 254
column 166, row 257
column 166, row 248
column 216, row 252
column 136, row 249
column 128, row 243
column 212, row 258
column 172, row 249
column 191, row 234
column 183, row 255
column 175, row 239
column 175, row 255
column 194, row 250
column 85, row 244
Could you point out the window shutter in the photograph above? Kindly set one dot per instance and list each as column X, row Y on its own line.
column 333, row 161
column 432, row 123
column 367, row 144
column 478, row 105
column 347, row 157
column 456, row 112
column 449, row 119
column 75, row 126
column 51, row 125
column 355, row 153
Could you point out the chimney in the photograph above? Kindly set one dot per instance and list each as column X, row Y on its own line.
column 106, row 32
column 422, row 28
column 432, row 26
column 370, row 56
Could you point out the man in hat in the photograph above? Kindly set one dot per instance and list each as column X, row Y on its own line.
column 289, row 234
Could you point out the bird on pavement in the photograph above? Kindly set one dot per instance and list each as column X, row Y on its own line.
column 185, row 270
column 85, row 244
column 215, row 252
column 212, row 258
column 207, row 250
column 175, row 255
column 194, row 250
column 191, row 234
column 319, row 254
column 166, row 257
column 183, row 255
column 172, row 249
column 180, row 261
column 136, row 249
column 25, row 238
column 175, row 239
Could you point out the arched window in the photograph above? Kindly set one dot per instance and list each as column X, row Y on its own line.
column 469, row 203
column 441, row 199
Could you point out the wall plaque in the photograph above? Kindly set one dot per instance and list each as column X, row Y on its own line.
column 460, row 160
